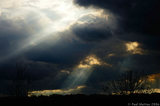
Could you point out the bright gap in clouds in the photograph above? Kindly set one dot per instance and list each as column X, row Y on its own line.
column 134, row 48
column 52, row 16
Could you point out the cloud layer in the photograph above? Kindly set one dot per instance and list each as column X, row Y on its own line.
column 53, row 38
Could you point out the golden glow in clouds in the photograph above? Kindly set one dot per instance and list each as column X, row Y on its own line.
column 89, row 61
column 133, row 48
column 154, row 77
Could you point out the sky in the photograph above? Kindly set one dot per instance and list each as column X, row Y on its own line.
column 75, row 46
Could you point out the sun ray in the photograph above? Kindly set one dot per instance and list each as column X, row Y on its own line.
column 82, row 72
column 68, row 14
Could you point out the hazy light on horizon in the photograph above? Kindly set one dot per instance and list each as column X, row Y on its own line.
column 56, row 91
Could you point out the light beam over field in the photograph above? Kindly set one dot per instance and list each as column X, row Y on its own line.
column 82, row 72
column 76, row 79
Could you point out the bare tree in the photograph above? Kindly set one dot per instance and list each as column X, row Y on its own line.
column 129, row 82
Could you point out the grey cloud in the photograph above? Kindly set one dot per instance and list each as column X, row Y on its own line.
column 135, row 15
column 11, row 36
column 94, row 30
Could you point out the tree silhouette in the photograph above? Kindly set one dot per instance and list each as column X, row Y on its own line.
column 130, row 82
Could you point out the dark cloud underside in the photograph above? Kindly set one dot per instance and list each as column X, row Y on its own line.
column 137, row 20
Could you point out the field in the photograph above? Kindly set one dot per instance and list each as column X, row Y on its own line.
column 84, row 100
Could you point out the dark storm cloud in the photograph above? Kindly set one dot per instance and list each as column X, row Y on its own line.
column 95, row 30
column 140, row 16
column 64, row 52
column 137, row 20
column 42, row 75
column 87, row 33
column 114, row 52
